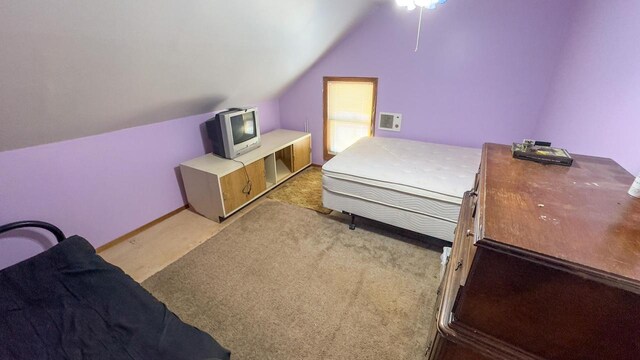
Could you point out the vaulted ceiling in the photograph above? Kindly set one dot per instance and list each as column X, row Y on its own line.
column 76, row 68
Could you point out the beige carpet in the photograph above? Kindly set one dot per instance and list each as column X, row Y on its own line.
column 289, row 283
column 304, row 189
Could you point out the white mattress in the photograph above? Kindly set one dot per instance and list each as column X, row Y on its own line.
column 436, row 171
column 398, row 199
column 410, row 184
column 413, row 221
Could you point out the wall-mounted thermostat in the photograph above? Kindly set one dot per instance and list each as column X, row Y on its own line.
column 390, row 121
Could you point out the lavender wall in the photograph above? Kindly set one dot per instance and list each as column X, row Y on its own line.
column 102, row 186
column 593, row 106
column 481, row 74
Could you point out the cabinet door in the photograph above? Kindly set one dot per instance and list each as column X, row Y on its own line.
column 235, row 191
column 301, row 153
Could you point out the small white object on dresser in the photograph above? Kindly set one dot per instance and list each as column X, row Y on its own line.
column 635, row 188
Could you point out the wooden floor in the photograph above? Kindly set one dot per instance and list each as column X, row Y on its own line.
column 153, row 249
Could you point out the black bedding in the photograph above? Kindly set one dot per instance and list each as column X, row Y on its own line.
column 68, row 303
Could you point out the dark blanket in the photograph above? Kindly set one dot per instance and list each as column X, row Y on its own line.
column 68, row 303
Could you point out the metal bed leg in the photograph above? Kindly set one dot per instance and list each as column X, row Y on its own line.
column 352, row 226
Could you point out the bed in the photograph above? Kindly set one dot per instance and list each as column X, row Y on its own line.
column 68, row 303
column 409, row 184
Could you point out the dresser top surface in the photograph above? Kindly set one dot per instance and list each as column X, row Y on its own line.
column 581, row 215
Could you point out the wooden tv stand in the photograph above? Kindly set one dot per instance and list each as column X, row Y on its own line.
column 217, row 187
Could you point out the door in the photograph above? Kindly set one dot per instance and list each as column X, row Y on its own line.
column 241, row 186
column 301, row 153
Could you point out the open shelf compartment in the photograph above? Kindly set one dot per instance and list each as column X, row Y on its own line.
column 284, row 163
column 270, row 170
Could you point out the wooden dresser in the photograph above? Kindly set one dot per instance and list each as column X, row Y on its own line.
column 545, row 264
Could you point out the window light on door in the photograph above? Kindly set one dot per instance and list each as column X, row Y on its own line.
column 349, row 112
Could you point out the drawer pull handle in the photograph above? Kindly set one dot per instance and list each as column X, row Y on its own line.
column 469, row 233
column 458, row 265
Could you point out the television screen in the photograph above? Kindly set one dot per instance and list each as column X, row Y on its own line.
column 243, row 127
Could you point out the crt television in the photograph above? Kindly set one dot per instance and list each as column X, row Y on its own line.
column 234, row 132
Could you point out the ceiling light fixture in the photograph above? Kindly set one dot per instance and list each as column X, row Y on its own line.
column 412, row 4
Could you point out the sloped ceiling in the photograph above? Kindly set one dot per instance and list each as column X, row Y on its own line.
column 75, row 68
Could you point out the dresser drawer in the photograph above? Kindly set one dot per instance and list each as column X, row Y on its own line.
column 456, row 266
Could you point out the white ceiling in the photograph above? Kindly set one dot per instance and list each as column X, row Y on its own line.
column 75, row 68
